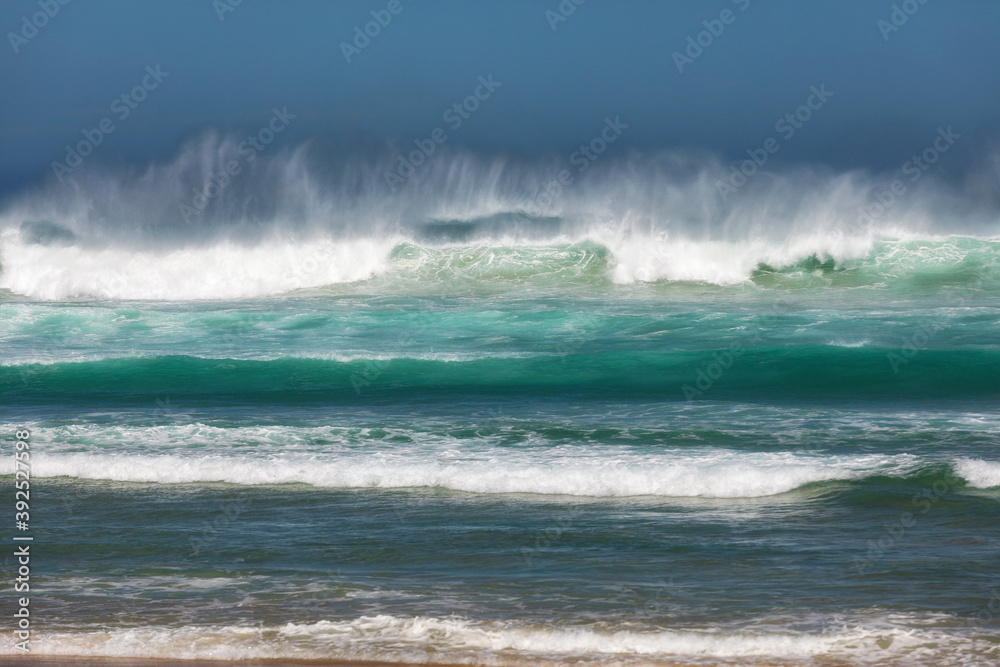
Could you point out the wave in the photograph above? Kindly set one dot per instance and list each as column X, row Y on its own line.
column 652, row 476
column 980, row 474
column 222, row 271
column 302, row 219
column 895, row 639
column 584, row 471
column 792, row 373
column 229, row 270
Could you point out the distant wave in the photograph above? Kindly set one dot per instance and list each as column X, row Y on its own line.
column 308, row 219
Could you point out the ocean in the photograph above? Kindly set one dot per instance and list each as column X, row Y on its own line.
column 499, row 438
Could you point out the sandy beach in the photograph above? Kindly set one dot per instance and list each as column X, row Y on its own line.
column 86, row 661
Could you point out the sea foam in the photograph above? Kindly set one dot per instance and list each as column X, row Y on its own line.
column 593, row 472
column 457, row 640
column 978, row 473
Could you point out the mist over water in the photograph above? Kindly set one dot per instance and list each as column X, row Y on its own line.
column 311, row 216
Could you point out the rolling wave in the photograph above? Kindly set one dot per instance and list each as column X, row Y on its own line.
column 721, row 475
column 199, row 454
column 802, row 372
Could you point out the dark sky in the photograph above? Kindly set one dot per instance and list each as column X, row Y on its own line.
column 940, row 68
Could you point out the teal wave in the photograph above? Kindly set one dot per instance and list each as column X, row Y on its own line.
column 760, row 374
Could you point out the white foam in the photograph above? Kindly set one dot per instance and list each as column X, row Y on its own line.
column 980, row 474
column 458, row 640
column 220, row 271
column 592, row 471
column 653, row 257
column 225, row 270
column 239, row 355
column 840, row 342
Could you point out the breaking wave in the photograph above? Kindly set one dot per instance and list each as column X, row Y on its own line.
column 302, row 220
column 894, row 639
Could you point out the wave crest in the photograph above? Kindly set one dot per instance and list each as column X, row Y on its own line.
column 227, row 270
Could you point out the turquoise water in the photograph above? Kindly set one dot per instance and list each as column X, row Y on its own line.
column 504, row 454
